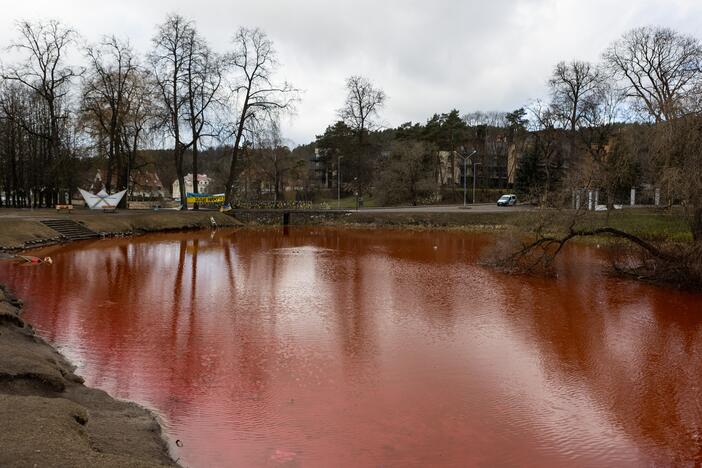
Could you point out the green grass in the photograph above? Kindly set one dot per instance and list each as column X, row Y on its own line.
column 347, row 203
column 650, row 224
column 460, row 219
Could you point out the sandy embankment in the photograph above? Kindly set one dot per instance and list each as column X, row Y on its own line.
column 22, row 229
column 49, row 418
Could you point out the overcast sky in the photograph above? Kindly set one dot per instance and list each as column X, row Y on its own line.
column 428, row 56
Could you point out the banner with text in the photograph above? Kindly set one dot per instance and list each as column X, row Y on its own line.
column 205, row 198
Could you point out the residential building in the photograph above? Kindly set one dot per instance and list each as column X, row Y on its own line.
column 203, row 182
column 142, row 184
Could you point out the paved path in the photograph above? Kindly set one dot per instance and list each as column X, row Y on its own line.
column 80, row 212
column 46, row 213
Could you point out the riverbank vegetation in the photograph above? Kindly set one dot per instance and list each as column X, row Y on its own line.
column 652, row 77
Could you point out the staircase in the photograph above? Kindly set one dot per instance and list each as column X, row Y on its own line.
column 70, row 229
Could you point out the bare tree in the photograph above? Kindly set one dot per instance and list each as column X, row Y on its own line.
column 44, row 71
column 272, row 158
column 363, row 101
column 660, row 69
column 140, row 114
column 106, row 92
column 607, row 166
column 574, row 86
column 169, row 59
column 14, row 108
column 256, row 96
column 203, row 77
column 546, row 145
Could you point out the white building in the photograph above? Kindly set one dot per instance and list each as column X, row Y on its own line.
column 202, row 183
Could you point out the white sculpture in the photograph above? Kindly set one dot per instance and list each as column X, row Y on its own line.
column 102, row 200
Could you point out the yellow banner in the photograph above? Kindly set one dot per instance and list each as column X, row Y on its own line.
column 207, row 199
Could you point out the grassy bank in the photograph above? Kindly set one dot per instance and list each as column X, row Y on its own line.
column 466, row 220
column 649, row 224
column 49, row 418
column 23, row 229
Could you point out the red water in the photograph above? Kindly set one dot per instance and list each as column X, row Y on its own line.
column 375, row 348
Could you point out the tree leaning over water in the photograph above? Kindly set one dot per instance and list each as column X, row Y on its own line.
column 659, row 73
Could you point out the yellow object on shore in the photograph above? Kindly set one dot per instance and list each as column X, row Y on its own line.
column 218, row 198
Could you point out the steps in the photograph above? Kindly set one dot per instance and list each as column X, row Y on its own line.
column 70, row 229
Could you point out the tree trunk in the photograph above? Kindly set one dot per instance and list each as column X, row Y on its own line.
column 229, row 189
column 696, row 224
column 178, row 156
column 196, row 183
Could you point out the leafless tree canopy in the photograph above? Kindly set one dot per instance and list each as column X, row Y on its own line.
column 107, row 91
column 43, row 72
column 204, row 73
column 575, row 89
column 255, row 95
column 660, row 69
column 188, row 76
column 363, row 101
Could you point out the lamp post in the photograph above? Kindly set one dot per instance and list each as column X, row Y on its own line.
column 355, row 182
column 475, row 164
column 338, row 183
column 465, row 177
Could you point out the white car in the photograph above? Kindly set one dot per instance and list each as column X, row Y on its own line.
column 507, row 200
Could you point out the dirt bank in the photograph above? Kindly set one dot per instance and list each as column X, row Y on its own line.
column 21, row 229
column 49, row 418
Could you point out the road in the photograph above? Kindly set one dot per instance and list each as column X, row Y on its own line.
column 477, row 208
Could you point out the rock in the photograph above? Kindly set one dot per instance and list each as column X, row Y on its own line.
column 10, row 314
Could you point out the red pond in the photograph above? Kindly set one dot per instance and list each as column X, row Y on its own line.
column 375, row 348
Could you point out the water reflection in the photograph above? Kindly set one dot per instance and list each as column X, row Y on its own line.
column 366, row 347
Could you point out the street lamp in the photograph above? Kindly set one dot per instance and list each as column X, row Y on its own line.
column 356, row 183
column 338, row 183
column 465, row 177
column 474, row 177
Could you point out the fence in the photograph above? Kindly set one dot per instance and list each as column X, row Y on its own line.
column 636, row 196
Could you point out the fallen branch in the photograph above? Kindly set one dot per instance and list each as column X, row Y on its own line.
column 551, row 246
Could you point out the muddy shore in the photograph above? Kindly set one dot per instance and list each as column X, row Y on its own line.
column 49, row 418
column 23, row 229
